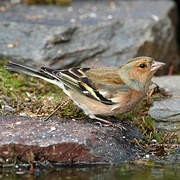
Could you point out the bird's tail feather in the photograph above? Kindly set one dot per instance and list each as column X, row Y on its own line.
column 11, row 66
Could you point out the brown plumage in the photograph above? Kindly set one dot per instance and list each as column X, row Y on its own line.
column 106, row 90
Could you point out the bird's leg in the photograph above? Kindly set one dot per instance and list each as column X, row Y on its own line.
column 157, row 86
column 108, row 123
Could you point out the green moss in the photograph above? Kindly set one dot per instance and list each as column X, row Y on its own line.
column 149, row 122
column 157, row 136
column 143, row 121
column 34, row 96
column 125, row 116
column 37, row 97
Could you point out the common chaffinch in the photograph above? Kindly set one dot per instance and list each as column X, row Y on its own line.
column 101, row 91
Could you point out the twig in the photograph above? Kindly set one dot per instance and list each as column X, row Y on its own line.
column 57, row 108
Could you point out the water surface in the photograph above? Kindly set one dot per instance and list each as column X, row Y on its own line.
column 125, row 171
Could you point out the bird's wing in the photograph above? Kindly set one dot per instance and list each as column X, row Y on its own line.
column 99, row 84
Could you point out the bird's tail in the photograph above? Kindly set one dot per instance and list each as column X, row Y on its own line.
column 11, row 66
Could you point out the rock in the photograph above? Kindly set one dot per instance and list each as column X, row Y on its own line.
column 66, row 141
column 5, row 105
column 166, row 112
column 90, row 33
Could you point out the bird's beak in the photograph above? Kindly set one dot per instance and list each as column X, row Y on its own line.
column 156, row 65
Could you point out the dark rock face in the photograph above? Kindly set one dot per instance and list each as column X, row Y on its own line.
column 66, row 141
column 91, row 33
column 166, row 112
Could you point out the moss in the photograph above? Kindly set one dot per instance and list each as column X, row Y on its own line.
column 140, row 117
column 34, row 97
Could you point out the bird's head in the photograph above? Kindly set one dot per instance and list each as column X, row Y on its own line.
column 138, row 72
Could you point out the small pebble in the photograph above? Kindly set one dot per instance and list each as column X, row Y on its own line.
column 18, row 122
column 109, row 17
column 155, row 18
column 53, row 128
column 92, row 15
column 11, row 45
column 73, row 21
column 20, row 172
column 16, row 166
column 70, row 9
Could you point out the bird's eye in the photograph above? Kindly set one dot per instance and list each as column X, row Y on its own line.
column 142, row 65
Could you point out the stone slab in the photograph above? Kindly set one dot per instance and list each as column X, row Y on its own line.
column 67, row 141
column 166, row 112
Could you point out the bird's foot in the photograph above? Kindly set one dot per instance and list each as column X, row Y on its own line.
column 106, row 123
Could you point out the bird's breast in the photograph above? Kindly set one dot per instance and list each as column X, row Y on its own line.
column 127, row 101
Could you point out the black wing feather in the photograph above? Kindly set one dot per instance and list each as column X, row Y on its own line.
column 75, row 78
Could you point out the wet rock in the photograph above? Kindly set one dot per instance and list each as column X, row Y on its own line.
column 166, row 112
column 66, row 141
column 92, row 33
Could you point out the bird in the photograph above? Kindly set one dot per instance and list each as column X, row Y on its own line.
column 106, row 91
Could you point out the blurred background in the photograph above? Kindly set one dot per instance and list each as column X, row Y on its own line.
column 64, row 33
